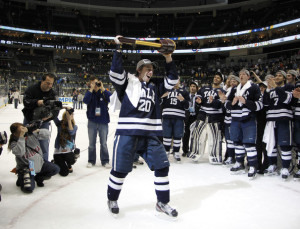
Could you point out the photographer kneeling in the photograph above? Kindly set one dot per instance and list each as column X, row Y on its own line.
column 65, row 154
column 3, row 141
column 39, row 102
column 24, row 144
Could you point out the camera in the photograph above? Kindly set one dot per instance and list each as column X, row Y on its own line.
column 46, row 111
column 76, row 153
column 71, row 111
column 32, row 126
column 98, row 84
column 3, row 137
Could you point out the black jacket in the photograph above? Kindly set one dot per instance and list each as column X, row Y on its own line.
column 32, row 95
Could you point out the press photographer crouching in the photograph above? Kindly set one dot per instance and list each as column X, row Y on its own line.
column 40, row 104
column 31, row 167
column 65, row 153
column 3, row 141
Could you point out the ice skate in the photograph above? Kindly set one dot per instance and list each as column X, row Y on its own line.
column 195, row 157
column 113, row 207
column 229, row 162
column 138, row 162
column 284, row 173
column 214, row 161
column 171, row 213
column 271, row 170
column 252, row 172
column 177, row 157
column 297, row 176
column 237, row 168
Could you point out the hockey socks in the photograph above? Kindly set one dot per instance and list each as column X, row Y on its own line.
column 161, row 182
column 115, row 184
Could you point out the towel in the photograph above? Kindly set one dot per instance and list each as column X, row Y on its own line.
column 269, row 137
column 115, row 103
column 240, row 91
column 134, row 89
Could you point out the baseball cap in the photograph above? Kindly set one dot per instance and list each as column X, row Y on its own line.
column 145, row 62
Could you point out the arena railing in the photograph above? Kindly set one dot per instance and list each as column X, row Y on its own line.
column 10, row 28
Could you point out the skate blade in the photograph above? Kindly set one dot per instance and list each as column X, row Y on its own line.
column 164, row 216
column 238, row 172
column 216, row 163
column 271, row 174
column 114, row 215
column 252, row 178
column 296, row 179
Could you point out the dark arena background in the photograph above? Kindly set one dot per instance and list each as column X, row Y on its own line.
column 74, row 39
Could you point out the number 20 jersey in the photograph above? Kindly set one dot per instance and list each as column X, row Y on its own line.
column 144, row 119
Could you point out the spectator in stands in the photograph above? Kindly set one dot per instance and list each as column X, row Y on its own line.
column 16, row 97
column 38, row 95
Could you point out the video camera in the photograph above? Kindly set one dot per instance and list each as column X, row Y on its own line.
column 47, row 110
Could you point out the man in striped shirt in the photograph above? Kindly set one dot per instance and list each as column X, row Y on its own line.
column 243, row 101
column 174, row 105
column 139, row 126
column 207, row 131
column 278, row 100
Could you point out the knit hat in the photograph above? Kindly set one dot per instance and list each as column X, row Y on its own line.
column 246, row 71
column 293, row 72
column 145, row 62
column 268, row 77
column 235, row 78
column 282, row 73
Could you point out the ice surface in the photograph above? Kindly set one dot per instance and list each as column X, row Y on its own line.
column 206, row 196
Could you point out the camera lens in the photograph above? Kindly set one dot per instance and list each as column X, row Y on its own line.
column 98, row 84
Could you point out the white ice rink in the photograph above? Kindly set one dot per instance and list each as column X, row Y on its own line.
column 205, row 196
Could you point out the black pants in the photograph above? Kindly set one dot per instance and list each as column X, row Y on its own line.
column 16, row 101
column 187, row 133
column 262, row 158
column 65, row 162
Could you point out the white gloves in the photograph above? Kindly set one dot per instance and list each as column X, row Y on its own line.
column 116, row 39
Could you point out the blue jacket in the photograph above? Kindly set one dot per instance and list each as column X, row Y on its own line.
column 72, row 133
column 95, row 100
